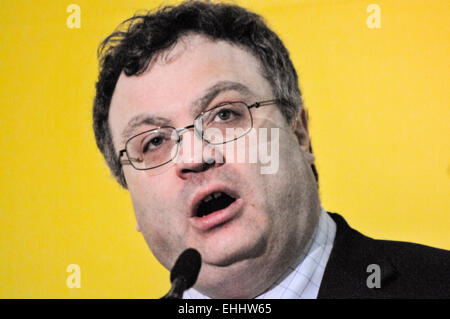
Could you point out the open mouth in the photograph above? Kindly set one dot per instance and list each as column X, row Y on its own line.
column 214, row 202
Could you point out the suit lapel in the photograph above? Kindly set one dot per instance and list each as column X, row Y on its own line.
column 348, row 271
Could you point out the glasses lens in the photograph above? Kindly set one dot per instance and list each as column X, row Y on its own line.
column 224, row 123
column 153, row 148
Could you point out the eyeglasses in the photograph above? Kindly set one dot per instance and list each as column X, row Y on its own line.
column 224, row 123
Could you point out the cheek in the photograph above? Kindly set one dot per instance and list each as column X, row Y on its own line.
column 147, row 191
column 150, row 203
column 287, row 187
column 153, row 200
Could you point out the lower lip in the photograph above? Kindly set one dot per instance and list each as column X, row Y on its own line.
column 217, row 218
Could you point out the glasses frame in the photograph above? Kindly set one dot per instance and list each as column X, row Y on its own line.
column 128, row 161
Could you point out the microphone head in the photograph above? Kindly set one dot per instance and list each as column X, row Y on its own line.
column 187, row 267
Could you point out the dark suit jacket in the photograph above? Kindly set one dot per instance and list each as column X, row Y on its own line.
column 407, row 270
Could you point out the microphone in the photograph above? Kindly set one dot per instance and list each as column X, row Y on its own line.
column 184, row 273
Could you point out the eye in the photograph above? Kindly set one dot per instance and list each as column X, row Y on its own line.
column 153, row 144
column 224, row 115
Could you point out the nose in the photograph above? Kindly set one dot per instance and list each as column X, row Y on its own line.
column 196, row 156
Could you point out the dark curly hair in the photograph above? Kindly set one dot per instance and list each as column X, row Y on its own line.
column 133, row 44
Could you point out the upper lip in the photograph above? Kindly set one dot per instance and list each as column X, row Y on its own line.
column 202, row 193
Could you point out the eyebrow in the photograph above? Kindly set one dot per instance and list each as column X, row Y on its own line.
column 139, row 120
column 212, row 92
column 195, row 108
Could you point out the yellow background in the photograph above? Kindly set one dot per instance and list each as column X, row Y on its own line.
column 379, row 109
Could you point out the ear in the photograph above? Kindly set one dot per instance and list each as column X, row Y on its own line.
column 300, row 130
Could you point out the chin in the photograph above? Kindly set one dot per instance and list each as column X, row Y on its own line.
column 233, row 243
column 224, row 253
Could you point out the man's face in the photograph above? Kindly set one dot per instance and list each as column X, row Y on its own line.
column 272, row 215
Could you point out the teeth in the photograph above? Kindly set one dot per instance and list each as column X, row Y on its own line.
column 211, row 196
column 207, row 198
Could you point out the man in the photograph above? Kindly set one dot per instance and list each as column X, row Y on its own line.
column 178, row 91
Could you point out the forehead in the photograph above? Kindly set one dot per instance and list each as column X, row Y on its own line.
column 181, row 76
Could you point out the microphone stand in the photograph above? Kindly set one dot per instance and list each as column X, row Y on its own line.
column 184, row 273
column 177, row 290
